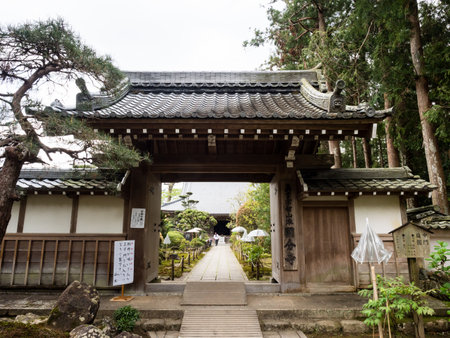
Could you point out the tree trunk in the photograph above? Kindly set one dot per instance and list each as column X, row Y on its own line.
column 434, row 164
column 380, row 153
column 336, row 151
column 169, row 191
column 333, row 145
column 9, row 175
column 355, row 159
column 392, row 152
column 367, row 153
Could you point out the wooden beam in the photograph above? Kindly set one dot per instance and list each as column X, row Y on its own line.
column 74, row 215
column 217, row 177
column 22, row 210
column 242, row 163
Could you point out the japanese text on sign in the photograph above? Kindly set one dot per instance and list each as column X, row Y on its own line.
column 137, row 218
column 123, row 262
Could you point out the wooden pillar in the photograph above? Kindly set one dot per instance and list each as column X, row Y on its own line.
column 145, row 192
column 290, row 247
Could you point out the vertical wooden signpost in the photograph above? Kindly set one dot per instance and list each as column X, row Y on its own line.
column 412, row 242
column 123, row 267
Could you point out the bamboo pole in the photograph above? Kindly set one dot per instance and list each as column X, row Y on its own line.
column 375, row 295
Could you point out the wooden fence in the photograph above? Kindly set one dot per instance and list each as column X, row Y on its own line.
column 56, row 260
column 393, row 268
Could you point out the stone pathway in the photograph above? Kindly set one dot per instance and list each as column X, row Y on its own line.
column 218, row 264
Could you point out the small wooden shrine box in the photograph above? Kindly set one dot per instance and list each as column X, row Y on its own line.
column 411, row 241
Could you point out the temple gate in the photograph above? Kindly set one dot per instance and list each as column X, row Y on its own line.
column 254, row 127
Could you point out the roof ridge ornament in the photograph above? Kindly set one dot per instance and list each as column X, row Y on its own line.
column 86, row 101
column 331, row 102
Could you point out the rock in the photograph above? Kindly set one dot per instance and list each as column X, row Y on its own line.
column 87, row 331
column 30, row 318
column 153, row 324
column 108, row 326
column 353, row 327
column 440, row 325
column 126, row 334
column 328, row 326
column 77, row 305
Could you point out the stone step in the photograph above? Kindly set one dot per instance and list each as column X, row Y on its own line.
column 178, row 287
column 214, row 293
column 220, row 323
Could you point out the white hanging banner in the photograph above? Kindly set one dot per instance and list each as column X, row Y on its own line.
column 123, row 262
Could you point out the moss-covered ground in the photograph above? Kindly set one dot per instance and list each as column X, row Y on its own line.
column 13, row 329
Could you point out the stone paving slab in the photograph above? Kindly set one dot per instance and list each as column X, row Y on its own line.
column 219, row 264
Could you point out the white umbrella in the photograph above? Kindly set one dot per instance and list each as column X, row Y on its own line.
column 167, row 240
column 370, row 248
column 247, row 238
column 193, row 230
column 239, row 229
column 258, row 233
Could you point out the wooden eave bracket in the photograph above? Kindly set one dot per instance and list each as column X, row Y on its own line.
column 212, row 146
column 290, row 158
column 303, row 190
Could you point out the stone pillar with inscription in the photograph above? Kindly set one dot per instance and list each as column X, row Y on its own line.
column 142, row 221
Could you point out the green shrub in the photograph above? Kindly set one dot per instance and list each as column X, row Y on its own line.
column 197, row 243
column 126, row 318
column 176, row 238
column 395, row 299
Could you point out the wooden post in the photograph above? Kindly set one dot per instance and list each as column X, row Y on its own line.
column 413, row 269
column 172, row 276
column 257, row 270
column 375, row 295
column 182, row 264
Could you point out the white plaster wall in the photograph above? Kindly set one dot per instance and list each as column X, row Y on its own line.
column 100, row 214
column 383, row 212
column 48, row 214
column 12, row 225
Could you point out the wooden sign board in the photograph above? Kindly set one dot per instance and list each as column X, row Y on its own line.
column 411, row 241
column 123, row 262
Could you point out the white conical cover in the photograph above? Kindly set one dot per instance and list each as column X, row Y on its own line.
column 167, row 240
column 370, row 248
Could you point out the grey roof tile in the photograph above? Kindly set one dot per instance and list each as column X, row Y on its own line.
column 67, row 180
column 365, row 180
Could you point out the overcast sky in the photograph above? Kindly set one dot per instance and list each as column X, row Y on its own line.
column 155, row 35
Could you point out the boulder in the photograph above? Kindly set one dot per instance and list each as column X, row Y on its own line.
column 30, row 318
column 77, row 305
column 126, row 334
column 87, row 331
column 108, row 326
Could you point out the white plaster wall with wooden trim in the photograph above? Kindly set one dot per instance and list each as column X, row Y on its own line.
column 100, row 215
column 47, row 214
column 12, row 225
column 383, row 212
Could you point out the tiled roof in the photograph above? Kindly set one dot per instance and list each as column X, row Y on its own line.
column 67, row 180
column 221, row 79
column 429, row 217
column 249, row 95
column 207, row 105
column 370, row 180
